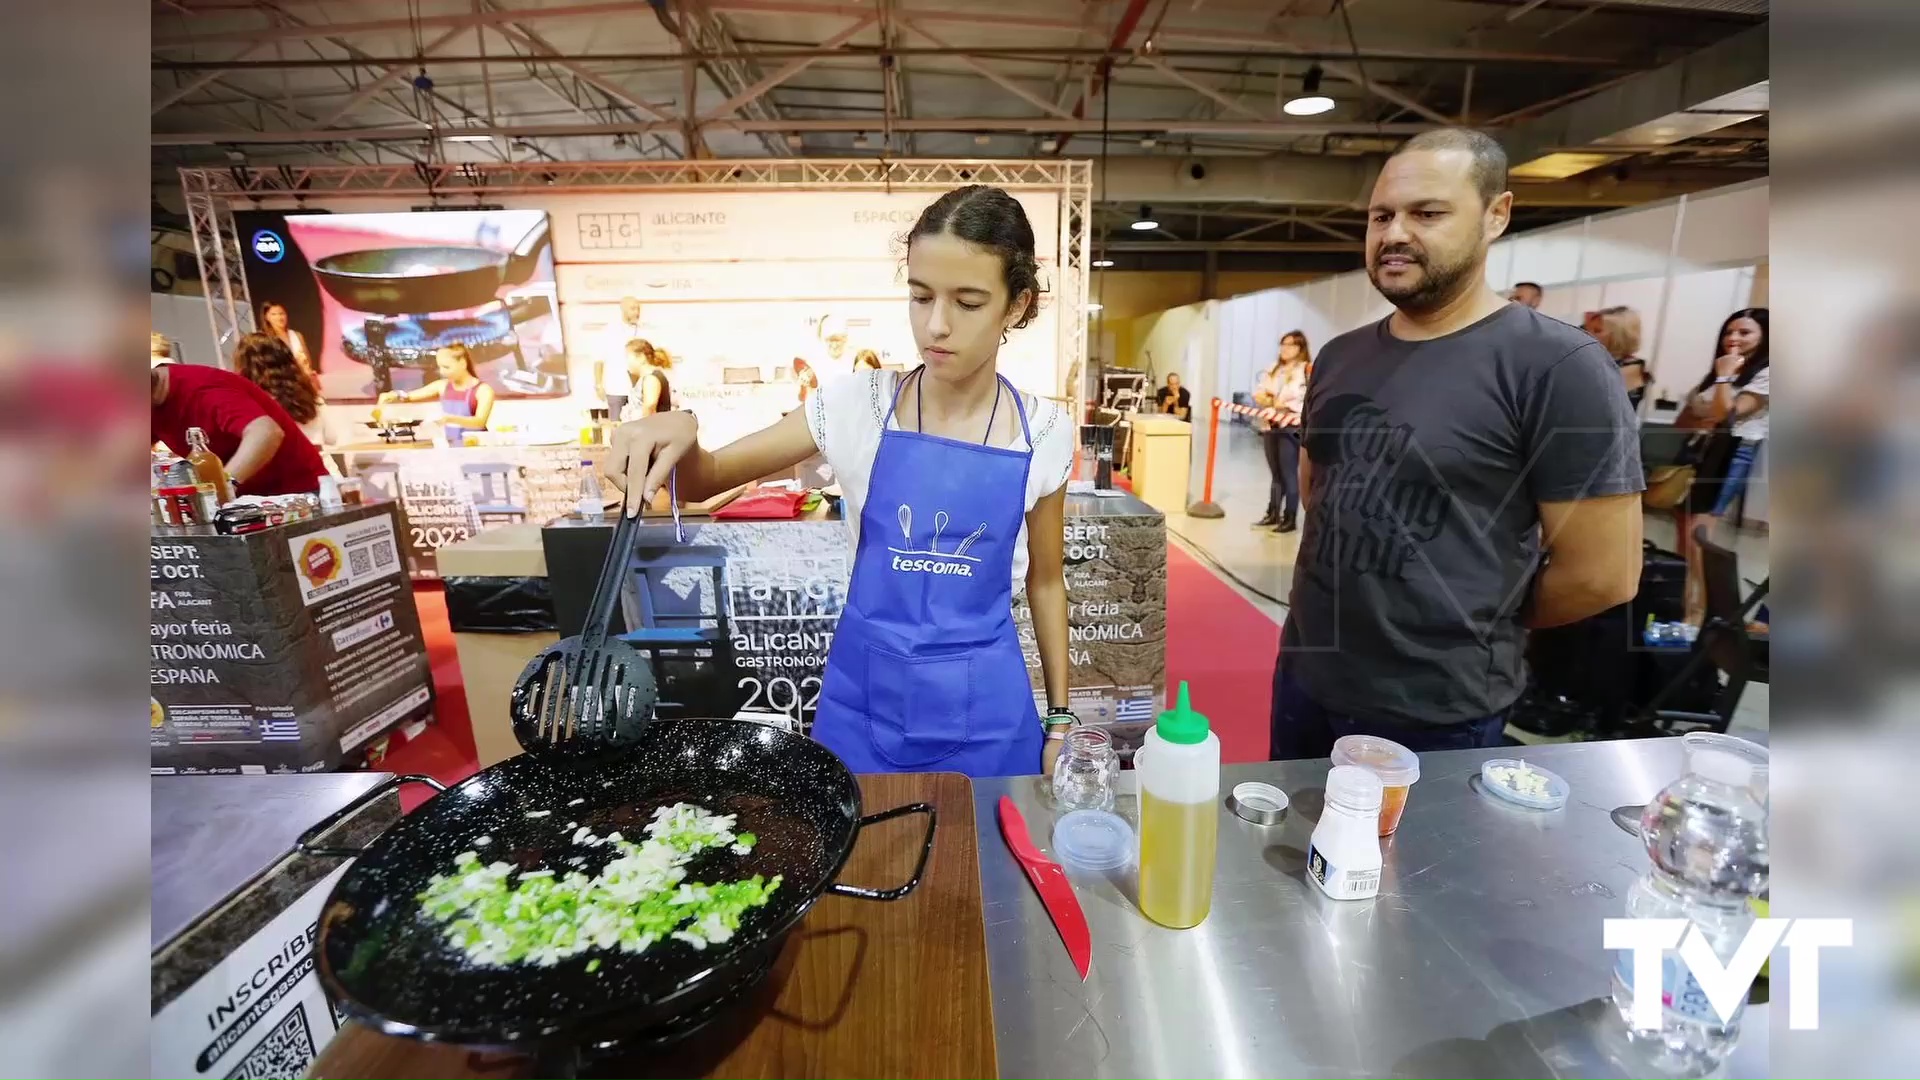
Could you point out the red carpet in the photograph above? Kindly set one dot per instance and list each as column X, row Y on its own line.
column 1224, row 648
column 1222, row 645
column 444, row 750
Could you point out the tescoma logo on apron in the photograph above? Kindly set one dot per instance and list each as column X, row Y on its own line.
column 931, row 560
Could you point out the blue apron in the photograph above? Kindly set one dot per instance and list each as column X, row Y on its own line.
column 926, row 673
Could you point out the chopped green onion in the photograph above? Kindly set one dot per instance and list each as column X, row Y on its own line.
column 500, row 918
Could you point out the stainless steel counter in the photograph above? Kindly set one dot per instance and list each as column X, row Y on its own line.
column 214, row 834
column 1480, row 957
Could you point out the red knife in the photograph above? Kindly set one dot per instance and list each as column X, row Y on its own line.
column 1050, row 881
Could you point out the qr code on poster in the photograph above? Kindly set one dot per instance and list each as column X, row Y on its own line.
column 383, row 555
column 361, row 560
column 284, row 1053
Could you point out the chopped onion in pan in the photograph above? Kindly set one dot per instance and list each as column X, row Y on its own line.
column 498, row 917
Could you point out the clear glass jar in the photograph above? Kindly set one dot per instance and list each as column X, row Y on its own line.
column 1083, row 777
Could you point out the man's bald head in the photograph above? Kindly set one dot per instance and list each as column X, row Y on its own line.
column 1489, row 168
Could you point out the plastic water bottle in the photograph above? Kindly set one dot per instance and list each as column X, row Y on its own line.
column 1707, row 836
column 591, row 505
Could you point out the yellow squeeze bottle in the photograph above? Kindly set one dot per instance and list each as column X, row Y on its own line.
column 1179, row 774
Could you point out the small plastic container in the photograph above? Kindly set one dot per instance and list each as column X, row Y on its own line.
column 1493, row 778
column 1343, row 858
column 1093, row 840
column 1395, row 765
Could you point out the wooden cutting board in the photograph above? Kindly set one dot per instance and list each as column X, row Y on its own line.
column 863, row 988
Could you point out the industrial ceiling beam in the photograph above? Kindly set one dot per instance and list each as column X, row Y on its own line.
column 1122, row 34
column 380, row 81
column 1654, row 106
column 351, row 50
column 1384, row 93
column 1201, row 88
column 828, row 48
column 1168, row 34
column 303, row 31
column 1084, row 53
column 193, row 85
column 704, row 31
column 545, row 51
column 963, row 125
column 991, row 75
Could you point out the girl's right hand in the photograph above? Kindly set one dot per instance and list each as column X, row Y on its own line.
column 1728, row 366
column 644, row 453
column 389, row 396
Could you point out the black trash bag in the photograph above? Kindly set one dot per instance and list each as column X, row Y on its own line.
column 500, row 605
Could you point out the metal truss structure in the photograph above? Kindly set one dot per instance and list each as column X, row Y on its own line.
column 212, row 193
column 216, row 243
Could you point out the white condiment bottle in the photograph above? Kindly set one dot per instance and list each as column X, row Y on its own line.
column 1343, row 858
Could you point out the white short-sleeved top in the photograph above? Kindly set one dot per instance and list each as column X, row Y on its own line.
column 845, row 417
column 1754, row 426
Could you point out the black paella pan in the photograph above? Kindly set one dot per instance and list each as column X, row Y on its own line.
column 386, row 963
column 418, row 280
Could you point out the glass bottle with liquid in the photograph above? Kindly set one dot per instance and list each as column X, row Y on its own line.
column 1179, row 774
column 207, row 468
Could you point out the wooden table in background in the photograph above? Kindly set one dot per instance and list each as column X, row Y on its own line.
column 862, row 988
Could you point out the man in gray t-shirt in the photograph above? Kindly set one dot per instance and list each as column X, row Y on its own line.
column 1448, row 449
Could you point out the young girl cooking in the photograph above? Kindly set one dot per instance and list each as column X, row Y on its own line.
column 465, row 401
column 955, row 489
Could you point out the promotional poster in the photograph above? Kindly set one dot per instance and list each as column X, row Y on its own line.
column 282, row 651
column 374, row 296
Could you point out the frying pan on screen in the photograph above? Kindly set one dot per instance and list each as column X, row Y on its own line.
column 422, row 279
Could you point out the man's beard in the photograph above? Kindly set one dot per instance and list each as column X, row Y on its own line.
column 1439, row 282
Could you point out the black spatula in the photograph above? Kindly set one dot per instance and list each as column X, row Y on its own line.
column 592, row 692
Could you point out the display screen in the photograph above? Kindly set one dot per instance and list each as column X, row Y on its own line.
column 374, row 297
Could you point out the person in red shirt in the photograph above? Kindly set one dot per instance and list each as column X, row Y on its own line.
column 262, row 448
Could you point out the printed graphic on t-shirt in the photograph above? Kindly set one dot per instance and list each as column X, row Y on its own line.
column 1374, row 497
column 932, row 560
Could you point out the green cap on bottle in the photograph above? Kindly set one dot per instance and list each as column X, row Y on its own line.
column 1181, row 724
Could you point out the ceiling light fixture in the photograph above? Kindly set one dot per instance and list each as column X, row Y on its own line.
column 468, row 138
column 1102, row 264
column 982, row 140
column 860, row 141
column 1310, row 101
column 1091, row 308
column 1145, row 221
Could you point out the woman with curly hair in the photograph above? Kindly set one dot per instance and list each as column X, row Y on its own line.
column 269, row 363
